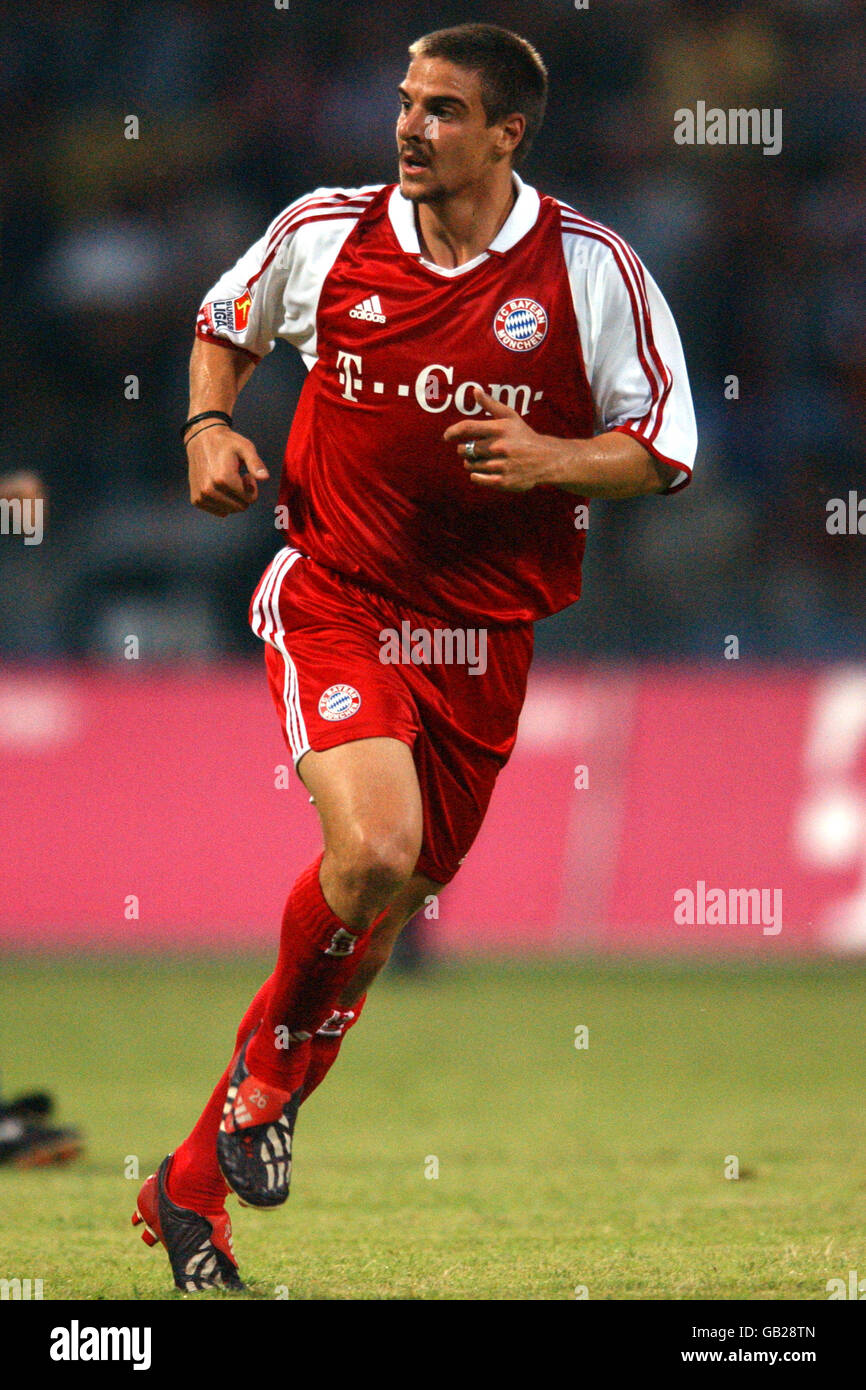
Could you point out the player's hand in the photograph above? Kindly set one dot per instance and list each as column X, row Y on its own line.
column 509, row 456
column 224, row 471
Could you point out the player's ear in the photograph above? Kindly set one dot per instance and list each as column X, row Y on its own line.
column 512, row 130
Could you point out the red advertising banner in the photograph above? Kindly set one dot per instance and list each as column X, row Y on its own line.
column 670, row 810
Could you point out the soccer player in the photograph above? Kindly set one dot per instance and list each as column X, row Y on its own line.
column 482, row 361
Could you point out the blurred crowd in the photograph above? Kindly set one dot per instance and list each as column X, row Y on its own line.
column 109, row 243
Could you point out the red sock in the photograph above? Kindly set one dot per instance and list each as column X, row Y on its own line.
column 326, row 1045
column 318, row 956
column 194, row 1179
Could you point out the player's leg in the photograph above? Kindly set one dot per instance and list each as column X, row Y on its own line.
column 369, row 803
column 408, row 901
column 367, row 795
column 195, row 1179
column 466, row 731
column 328, row 1040
column 319, row 636
column 368, row 800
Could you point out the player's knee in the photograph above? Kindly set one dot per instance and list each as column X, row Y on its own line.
column 375, row 863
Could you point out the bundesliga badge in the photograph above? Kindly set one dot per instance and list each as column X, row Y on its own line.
column 231, row 314
column 520, row 324
column 339, row 702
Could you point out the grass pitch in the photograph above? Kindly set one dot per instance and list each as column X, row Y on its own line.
column 561, row 1170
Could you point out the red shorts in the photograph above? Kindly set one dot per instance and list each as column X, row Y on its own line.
column 345, row 663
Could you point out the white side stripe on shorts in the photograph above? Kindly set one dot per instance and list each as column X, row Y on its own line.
column 262, row 621
column 268, row 625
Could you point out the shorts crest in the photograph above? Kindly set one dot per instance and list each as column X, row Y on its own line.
column 339, row 702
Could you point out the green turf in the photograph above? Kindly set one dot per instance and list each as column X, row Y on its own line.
column 558, row 1168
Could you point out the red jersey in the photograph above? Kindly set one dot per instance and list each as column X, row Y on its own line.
column 558, row 319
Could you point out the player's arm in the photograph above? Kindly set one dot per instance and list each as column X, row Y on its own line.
column 271, row 293
column 637, row 375
column 237, row 324
column 512, row 457
column 224, row 466
column 610, row 465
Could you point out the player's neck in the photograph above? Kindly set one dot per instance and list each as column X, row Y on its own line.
column 455, row 230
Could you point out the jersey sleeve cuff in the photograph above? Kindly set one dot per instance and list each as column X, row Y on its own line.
column 683, row 468
column 224, row 342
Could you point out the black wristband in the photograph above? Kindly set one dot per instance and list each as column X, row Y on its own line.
column 206, row 415
column 217, row 424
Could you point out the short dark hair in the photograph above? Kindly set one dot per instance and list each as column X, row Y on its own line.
column 513, row 75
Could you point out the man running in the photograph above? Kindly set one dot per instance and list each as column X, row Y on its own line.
column 483, row 360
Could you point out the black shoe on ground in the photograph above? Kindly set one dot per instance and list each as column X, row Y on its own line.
column 199, row 1248
column 32, row 1145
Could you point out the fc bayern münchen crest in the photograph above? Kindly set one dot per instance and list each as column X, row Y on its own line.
column 520, row 324
column 339, row 701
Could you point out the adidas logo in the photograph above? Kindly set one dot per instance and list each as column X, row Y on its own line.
column 369, row 309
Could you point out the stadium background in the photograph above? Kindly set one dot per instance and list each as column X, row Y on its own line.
column 157, row 779
column 108, row 245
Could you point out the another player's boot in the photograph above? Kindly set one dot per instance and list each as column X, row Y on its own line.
column 33, row 1145
column 254, row 1141
column 199, row 1247
column 27, row 1141
column 30, row 1106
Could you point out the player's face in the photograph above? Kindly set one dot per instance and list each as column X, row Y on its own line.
column 444, row 142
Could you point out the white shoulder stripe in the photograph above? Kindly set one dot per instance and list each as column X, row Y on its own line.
column 317, row 206
column 658, row 375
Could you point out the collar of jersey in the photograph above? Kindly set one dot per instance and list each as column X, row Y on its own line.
column 522, row 217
